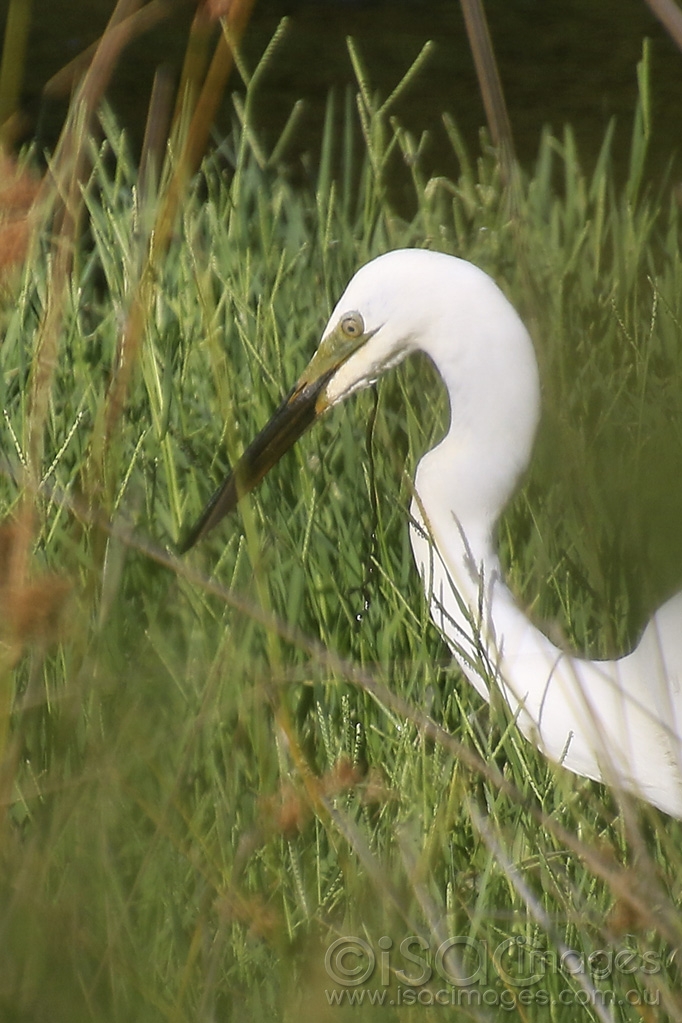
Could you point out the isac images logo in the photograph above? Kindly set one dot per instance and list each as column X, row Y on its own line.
column 469, row 972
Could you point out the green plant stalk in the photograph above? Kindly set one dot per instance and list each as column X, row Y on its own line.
column 194, row 66
column 203, row 117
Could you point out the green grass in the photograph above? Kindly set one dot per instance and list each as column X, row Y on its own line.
column 219, row 767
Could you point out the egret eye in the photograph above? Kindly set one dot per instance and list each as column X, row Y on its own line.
column 353, row 325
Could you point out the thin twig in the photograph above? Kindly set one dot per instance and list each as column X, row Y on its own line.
column 670, row 16
column 490, row 84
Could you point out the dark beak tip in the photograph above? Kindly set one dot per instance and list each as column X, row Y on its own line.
column 185, row 544
column 223, row 501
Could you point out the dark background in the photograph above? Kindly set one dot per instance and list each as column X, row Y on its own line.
column 560, row 60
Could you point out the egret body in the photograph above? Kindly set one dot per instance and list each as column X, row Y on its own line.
column 617, row 721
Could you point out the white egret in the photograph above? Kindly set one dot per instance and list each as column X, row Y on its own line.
column 617, row 721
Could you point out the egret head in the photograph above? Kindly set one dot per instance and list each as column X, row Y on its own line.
column 405, row 300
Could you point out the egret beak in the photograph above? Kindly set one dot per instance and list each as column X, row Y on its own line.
column 299, row 410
